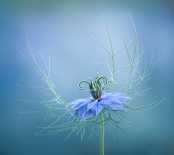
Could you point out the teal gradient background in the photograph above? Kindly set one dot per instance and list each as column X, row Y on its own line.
column 62, row 31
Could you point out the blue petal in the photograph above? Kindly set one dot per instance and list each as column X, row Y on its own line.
column 105, row 102
column 88, row 115
column 97, row 108
column 120, row 96
column 115, row 107
column 111, row 98
column 82, row 111
column 76, row 102
column 79, row 105
column 92, row 104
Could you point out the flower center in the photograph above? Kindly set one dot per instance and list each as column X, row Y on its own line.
column 96, row 89
column 95, row 86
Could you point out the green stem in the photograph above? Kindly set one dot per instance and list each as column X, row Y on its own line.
column 112, row 55
column 102, row 135
column 113, row 77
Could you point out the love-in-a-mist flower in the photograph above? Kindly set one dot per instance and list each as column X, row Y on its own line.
column 92, row 106
column 98, row 110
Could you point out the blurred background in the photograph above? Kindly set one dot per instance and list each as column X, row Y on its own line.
column 62, row 31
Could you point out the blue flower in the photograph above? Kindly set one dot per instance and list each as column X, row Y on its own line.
column 92, row 106
column 89, row 107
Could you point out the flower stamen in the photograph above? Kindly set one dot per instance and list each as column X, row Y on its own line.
column 95, row 86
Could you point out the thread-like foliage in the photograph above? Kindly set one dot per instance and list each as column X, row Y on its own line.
column 61, row 112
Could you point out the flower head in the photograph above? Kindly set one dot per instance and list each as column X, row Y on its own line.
column 92, row 106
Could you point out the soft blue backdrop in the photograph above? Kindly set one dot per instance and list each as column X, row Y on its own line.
column 62, row 30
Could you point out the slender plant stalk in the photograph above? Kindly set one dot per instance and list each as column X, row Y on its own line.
column 102, row 135
column 113, row 85
column 112, row 55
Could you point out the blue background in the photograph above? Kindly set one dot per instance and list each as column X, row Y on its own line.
column 62, row 31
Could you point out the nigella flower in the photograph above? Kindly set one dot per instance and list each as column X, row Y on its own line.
column 94, row 105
